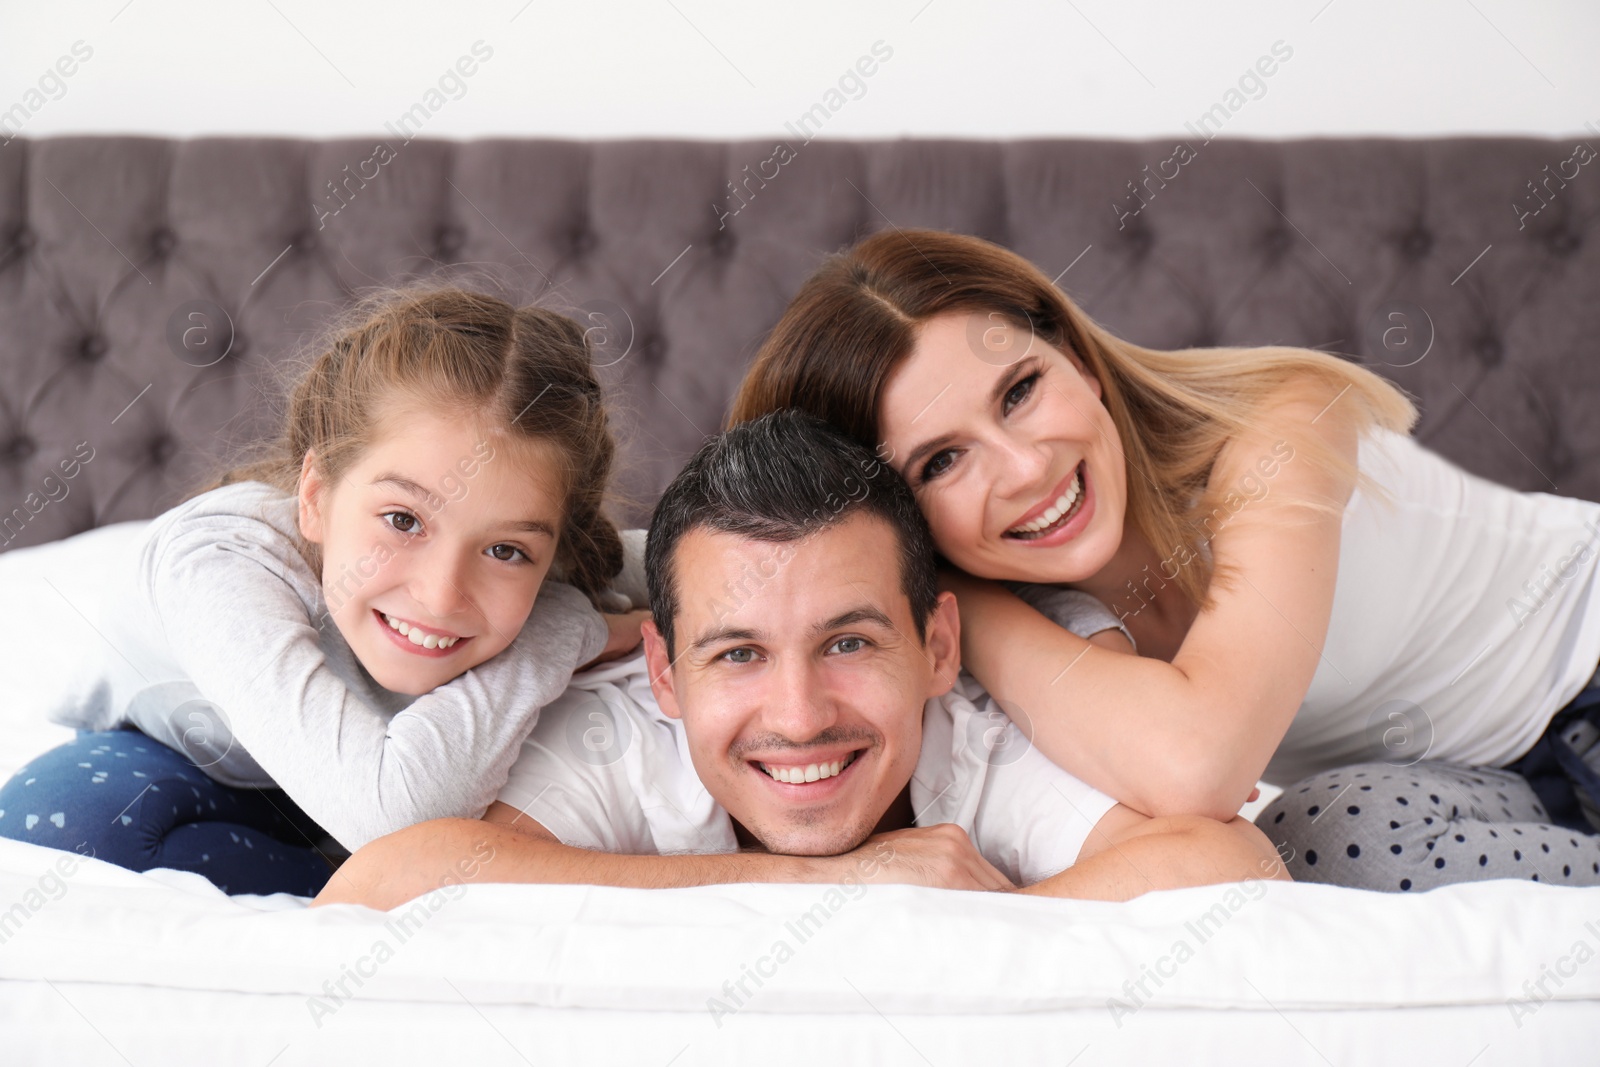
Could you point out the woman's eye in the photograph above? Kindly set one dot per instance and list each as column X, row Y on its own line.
column 848, row 645
column 739, row 655
column 506, row 553
column 937, row 464
column 1019, row 392
column 403, row 521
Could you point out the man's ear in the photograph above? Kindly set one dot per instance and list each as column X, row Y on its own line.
column 659, row 664
column 944, row 643
column 311, row 497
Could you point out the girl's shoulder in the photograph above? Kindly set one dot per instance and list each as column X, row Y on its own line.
column 243, row 515
column 247, row 505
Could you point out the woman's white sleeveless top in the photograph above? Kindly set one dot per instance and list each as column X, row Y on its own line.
column 1464, row 617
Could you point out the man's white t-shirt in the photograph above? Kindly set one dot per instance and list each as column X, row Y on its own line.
column 604, row 769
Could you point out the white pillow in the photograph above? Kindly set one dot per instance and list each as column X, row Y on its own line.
column 53, row 652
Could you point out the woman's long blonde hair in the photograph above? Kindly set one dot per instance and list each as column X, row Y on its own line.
column 858, row 317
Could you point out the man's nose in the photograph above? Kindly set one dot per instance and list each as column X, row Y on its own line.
column 797, row 708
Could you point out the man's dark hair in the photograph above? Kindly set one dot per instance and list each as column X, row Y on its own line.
column 781, row 478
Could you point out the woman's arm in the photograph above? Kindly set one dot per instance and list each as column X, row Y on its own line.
column 1128, row 855
column 1191, row 736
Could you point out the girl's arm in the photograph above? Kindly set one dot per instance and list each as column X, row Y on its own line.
column 1191, row 736
column 231, row 598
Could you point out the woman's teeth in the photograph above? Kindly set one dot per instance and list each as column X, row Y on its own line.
column 811, row 772
column 416, row 635
column 1061, row 509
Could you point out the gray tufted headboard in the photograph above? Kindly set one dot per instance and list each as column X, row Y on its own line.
column 1467, row 270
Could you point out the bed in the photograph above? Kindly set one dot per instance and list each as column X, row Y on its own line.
column 114, row 250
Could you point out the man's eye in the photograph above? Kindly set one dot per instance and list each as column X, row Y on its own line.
column 848, row 645
column 511, row 552
column 1019, row 392
column 739, row 655
column 403, row 521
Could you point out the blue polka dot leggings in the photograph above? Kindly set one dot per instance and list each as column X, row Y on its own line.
column 121, row 797
column 1393, row 828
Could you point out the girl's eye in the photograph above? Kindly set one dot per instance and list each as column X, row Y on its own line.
column 739, row 655
column 506, row 553
column 403, row 521
column 1020, row 392
column 848, row 645
column 937, row 464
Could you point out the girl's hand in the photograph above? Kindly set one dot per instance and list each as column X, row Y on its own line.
column 625, row 637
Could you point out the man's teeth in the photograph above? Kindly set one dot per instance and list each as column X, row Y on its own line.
column 417, row 636
column 811, row 772
column 1054, row 512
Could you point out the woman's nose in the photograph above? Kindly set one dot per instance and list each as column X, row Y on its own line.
column 1021, row 465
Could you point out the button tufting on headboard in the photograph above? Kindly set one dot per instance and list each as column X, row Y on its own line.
column 119, row 295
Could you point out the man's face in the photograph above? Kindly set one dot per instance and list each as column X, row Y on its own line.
column 800, row 680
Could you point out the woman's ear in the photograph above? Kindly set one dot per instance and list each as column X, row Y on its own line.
column 311, row 498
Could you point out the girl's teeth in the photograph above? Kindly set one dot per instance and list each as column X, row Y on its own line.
column 416, row 636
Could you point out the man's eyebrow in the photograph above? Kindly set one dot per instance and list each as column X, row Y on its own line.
column 533, row 526
column 851, row 618
column 726, row 633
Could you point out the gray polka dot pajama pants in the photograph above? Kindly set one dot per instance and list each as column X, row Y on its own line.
column 1398, row 829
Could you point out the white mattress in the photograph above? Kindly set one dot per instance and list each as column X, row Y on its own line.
column 109, row 966
column 163, row 967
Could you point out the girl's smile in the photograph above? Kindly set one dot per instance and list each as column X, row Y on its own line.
column 416, row 638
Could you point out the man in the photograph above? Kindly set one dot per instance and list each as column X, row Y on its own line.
column 797, row 717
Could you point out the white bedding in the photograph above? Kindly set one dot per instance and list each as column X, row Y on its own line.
column 162, row 967
column 105, row 965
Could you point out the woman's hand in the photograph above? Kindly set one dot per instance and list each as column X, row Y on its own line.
column 625, row 637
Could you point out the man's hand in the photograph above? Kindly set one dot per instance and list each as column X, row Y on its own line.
column 625, row 637
column 940, row 857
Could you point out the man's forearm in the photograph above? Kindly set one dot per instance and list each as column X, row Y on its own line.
column 404, row 865
column 1172, row 854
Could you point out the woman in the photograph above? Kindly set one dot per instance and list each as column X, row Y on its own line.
column 1310, row 592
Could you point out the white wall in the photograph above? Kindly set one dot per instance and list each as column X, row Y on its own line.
column 719, row 68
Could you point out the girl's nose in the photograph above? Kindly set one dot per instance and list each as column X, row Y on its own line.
column 438, row 585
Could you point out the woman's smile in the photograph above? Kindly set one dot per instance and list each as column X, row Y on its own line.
column 1054, row 513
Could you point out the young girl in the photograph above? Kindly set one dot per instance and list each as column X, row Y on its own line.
column 356, row 633
column 1306, row 586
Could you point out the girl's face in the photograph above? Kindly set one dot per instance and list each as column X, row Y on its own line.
column 1013, row 458
column 434, row 544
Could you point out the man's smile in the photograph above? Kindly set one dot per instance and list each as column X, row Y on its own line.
column 798, row 773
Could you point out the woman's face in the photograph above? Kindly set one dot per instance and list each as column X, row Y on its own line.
column 1013, row 458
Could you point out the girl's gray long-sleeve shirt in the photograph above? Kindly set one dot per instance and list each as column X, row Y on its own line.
column 224, row 651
